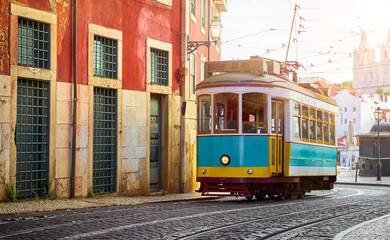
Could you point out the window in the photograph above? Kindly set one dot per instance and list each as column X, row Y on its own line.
column 326, row 128
column 204, row 114
column 159, row 66
column 254, row 113
column 211, row 16
column 192, row 73
column 354, row 120
column 33, row 43
column 354, row 109
column 296, row 122
column 345, row 109
column 319, row 126
column 312, row 125
column 331, row 129
column 202, row 61
column 193, row 8
column 105, row 57
column 225, row 112
column 345, row 121
column 305, row 123
column 203, row 14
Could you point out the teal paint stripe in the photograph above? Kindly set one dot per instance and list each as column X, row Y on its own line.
column 306, row 155
column 244, row 151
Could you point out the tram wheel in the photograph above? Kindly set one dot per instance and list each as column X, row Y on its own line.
column 249, row 198
column 283, row 196
column 260, row 196
column 301, row 195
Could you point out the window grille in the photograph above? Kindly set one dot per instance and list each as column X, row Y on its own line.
column 105, row 57
column 104, row 140
column 159, row 66
column 32, row 138
column 33, row 43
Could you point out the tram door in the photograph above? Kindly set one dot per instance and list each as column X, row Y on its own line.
column 276, row 140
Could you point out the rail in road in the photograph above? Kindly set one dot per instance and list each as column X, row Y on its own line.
column 318, row 215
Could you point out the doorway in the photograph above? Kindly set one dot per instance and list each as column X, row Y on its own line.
column 276, row 140
column 155, row 143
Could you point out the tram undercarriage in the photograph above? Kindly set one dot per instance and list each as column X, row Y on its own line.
column 274, row 187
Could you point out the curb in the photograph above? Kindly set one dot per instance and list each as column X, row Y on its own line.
column 363, row 184
column 184, row 200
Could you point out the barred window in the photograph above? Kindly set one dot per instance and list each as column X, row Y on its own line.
column 105, row 57
column 33, row 43
column 159, row 66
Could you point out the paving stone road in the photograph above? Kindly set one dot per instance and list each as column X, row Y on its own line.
column 321, row 215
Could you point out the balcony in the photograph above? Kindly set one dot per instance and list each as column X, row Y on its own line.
column 221, row 5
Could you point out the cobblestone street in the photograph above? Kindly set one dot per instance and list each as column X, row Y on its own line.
column 321, row 215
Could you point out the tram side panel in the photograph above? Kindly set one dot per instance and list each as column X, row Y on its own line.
column 315, row 164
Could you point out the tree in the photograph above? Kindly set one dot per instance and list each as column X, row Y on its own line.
column 380, row 91
column 387, row 93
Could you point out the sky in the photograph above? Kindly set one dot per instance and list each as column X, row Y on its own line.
column 326, row 32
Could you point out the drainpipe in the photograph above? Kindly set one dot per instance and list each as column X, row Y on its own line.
column 183, row 29
column 74, row 121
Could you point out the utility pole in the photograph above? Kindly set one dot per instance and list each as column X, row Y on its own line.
column 292, row 26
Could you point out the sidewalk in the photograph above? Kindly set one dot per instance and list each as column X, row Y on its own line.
column 344, row 176
column 347, row 176
column 40, row 205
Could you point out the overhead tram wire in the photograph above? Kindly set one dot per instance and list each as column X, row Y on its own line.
column 260, row 15
column 249, row 35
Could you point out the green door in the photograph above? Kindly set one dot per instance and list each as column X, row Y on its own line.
column 155, row 143
column 32, row 138
column 104, row 140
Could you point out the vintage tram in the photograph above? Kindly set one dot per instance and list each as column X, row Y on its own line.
column 260, row 133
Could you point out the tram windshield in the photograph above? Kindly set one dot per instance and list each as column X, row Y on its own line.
column 225, row 111
column 254, row 113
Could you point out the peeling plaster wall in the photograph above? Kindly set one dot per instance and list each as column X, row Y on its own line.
column 137, row 20
column 4, row 24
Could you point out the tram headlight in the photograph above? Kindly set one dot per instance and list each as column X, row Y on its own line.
column 204, row 171
column 225, row 160
column 250, row 171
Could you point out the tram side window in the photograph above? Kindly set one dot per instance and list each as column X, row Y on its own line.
column 319, row 126
column 254, row 113
column 226, row 109
column 296, row 122
column 332, row 129
column 204, row 114
column 305, row 123
column 312, row 124
column 326, row 128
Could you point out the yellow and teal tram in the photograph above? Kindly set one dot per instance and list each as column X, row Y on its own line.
column 260, row 133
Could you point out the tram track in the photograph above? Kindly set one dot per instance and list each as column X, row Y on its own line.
column 235, row 225
column 125, row 217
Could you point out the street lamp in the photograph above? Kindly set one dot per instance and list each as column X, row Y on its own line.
column 215, row 28
column 378, row 116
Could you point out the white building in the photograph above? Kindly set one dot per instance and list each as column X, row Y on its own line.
column 359, row 109
column 368, row 73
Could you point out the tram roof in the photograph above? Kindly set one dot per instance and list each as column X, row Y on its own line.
column 253, row 80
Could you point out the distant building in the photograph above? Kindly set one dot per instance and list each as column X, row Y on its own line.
column 368, row 150
column 369, row 74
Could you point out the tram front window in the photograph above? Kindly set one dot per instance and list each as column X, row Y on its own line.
column 226, row 109
column 254, row 113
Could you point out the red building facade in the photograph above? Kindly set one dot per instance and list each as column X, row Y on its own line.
column 132, row 80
